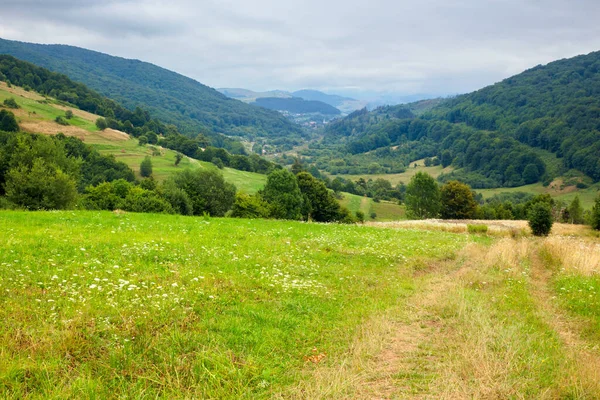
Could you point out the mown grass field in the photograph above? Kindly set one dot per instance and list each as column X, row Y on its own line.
column 105, row 305
column 403, row 177
column 384, row 210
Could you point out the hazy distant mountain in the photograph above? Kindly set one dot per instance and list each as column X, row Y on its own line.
column 296, row 105
column 172, row 97
column 249, row 96
column 345, row 104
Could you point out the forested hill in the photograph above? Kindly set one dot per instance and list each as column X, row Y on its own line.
column 297, row 105
column 171, row 97
column 493, row 134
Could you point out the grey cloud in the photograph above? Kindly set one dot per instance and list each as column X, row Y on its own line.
column 426, row 46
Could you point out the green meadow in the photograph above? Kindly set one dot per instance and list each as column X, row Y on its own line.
column 105, row 305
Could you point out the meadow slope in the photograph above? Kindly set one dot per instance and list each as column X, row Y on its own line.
column 112, row 305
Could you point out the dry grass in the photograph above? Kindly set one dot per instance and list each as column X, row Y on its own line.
column 483, row 326
column 498, row 228
column 495, row 228
column 574, row 254
column 19, row 91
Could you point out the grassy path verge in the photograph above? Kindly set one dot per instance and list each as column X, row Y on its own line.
column 484, row 326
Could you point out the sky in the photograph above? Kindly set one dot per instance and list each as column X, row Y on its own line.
column 360, row 48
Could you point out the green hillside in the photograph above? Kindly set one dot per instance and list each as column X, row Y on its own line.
column 37, row 114
column 174, row 98
column 492, row 137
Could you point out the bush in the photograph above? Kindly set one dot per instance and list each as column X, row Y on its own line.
column 11, row 103
column 595, row 219
column 540, row 219
column 247, row 206
column 61, row 120
column 373, row 215
column 146, row 167
column 145, row 201
column 360, row 216
column 207, row 190
column 101, row 124
column 477, row 229
column 218, row 162
column 178, row 198
column 8, row 122
column 68, row 114
column 142, row 140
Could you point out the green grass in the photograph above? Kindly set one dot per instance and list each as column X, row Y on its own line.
column 386, row 211
column 43, row 110
column 127, row 151
column 101, row 305
column 586, row 196
column 403, row 177
column 163, row 165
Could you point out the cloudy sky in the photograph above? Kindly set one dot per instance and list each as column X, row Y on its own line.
column 395, row 46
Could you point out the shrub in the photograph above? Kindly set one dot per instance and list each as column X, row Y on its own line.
column 247, row 206
column 142, row 140
column 595, row 219
column 68, row 114
column 178, row 198
column 207, row 190
column 145, row 201
column 101, row 124
column 477, row 229
column 218, row 162
column 360, row 216
column 8, row 122
column 540, row 219
column 11, row 103
column 61, row 120
column 146, row 167
column 373, row 215
column 178, row 158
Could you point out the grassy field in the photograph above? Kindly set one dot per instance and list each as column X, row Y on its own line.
column 587, row 196
column 404, row 176
column 384, row 210
column 105, row 305
column 163, row 164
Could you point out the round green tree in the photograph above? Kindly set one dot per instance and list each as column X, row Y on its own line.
column 540, row 219
column 422, row 197
column 457, row 201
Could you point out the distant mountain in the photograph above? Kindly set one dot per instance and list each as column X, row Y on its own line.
column 296, row 105
column 507, row 134
column 172, row 97
column 344, row 104
column 249, row 96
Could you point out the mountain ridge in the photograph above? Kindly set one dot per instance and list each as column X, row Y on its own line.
column 175, row 98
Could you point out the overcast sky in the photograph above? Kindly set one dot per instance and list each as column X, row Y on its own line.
column 403, row 46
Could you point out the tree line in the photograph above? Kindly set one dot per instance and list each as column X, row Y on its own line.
column 57, row 172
